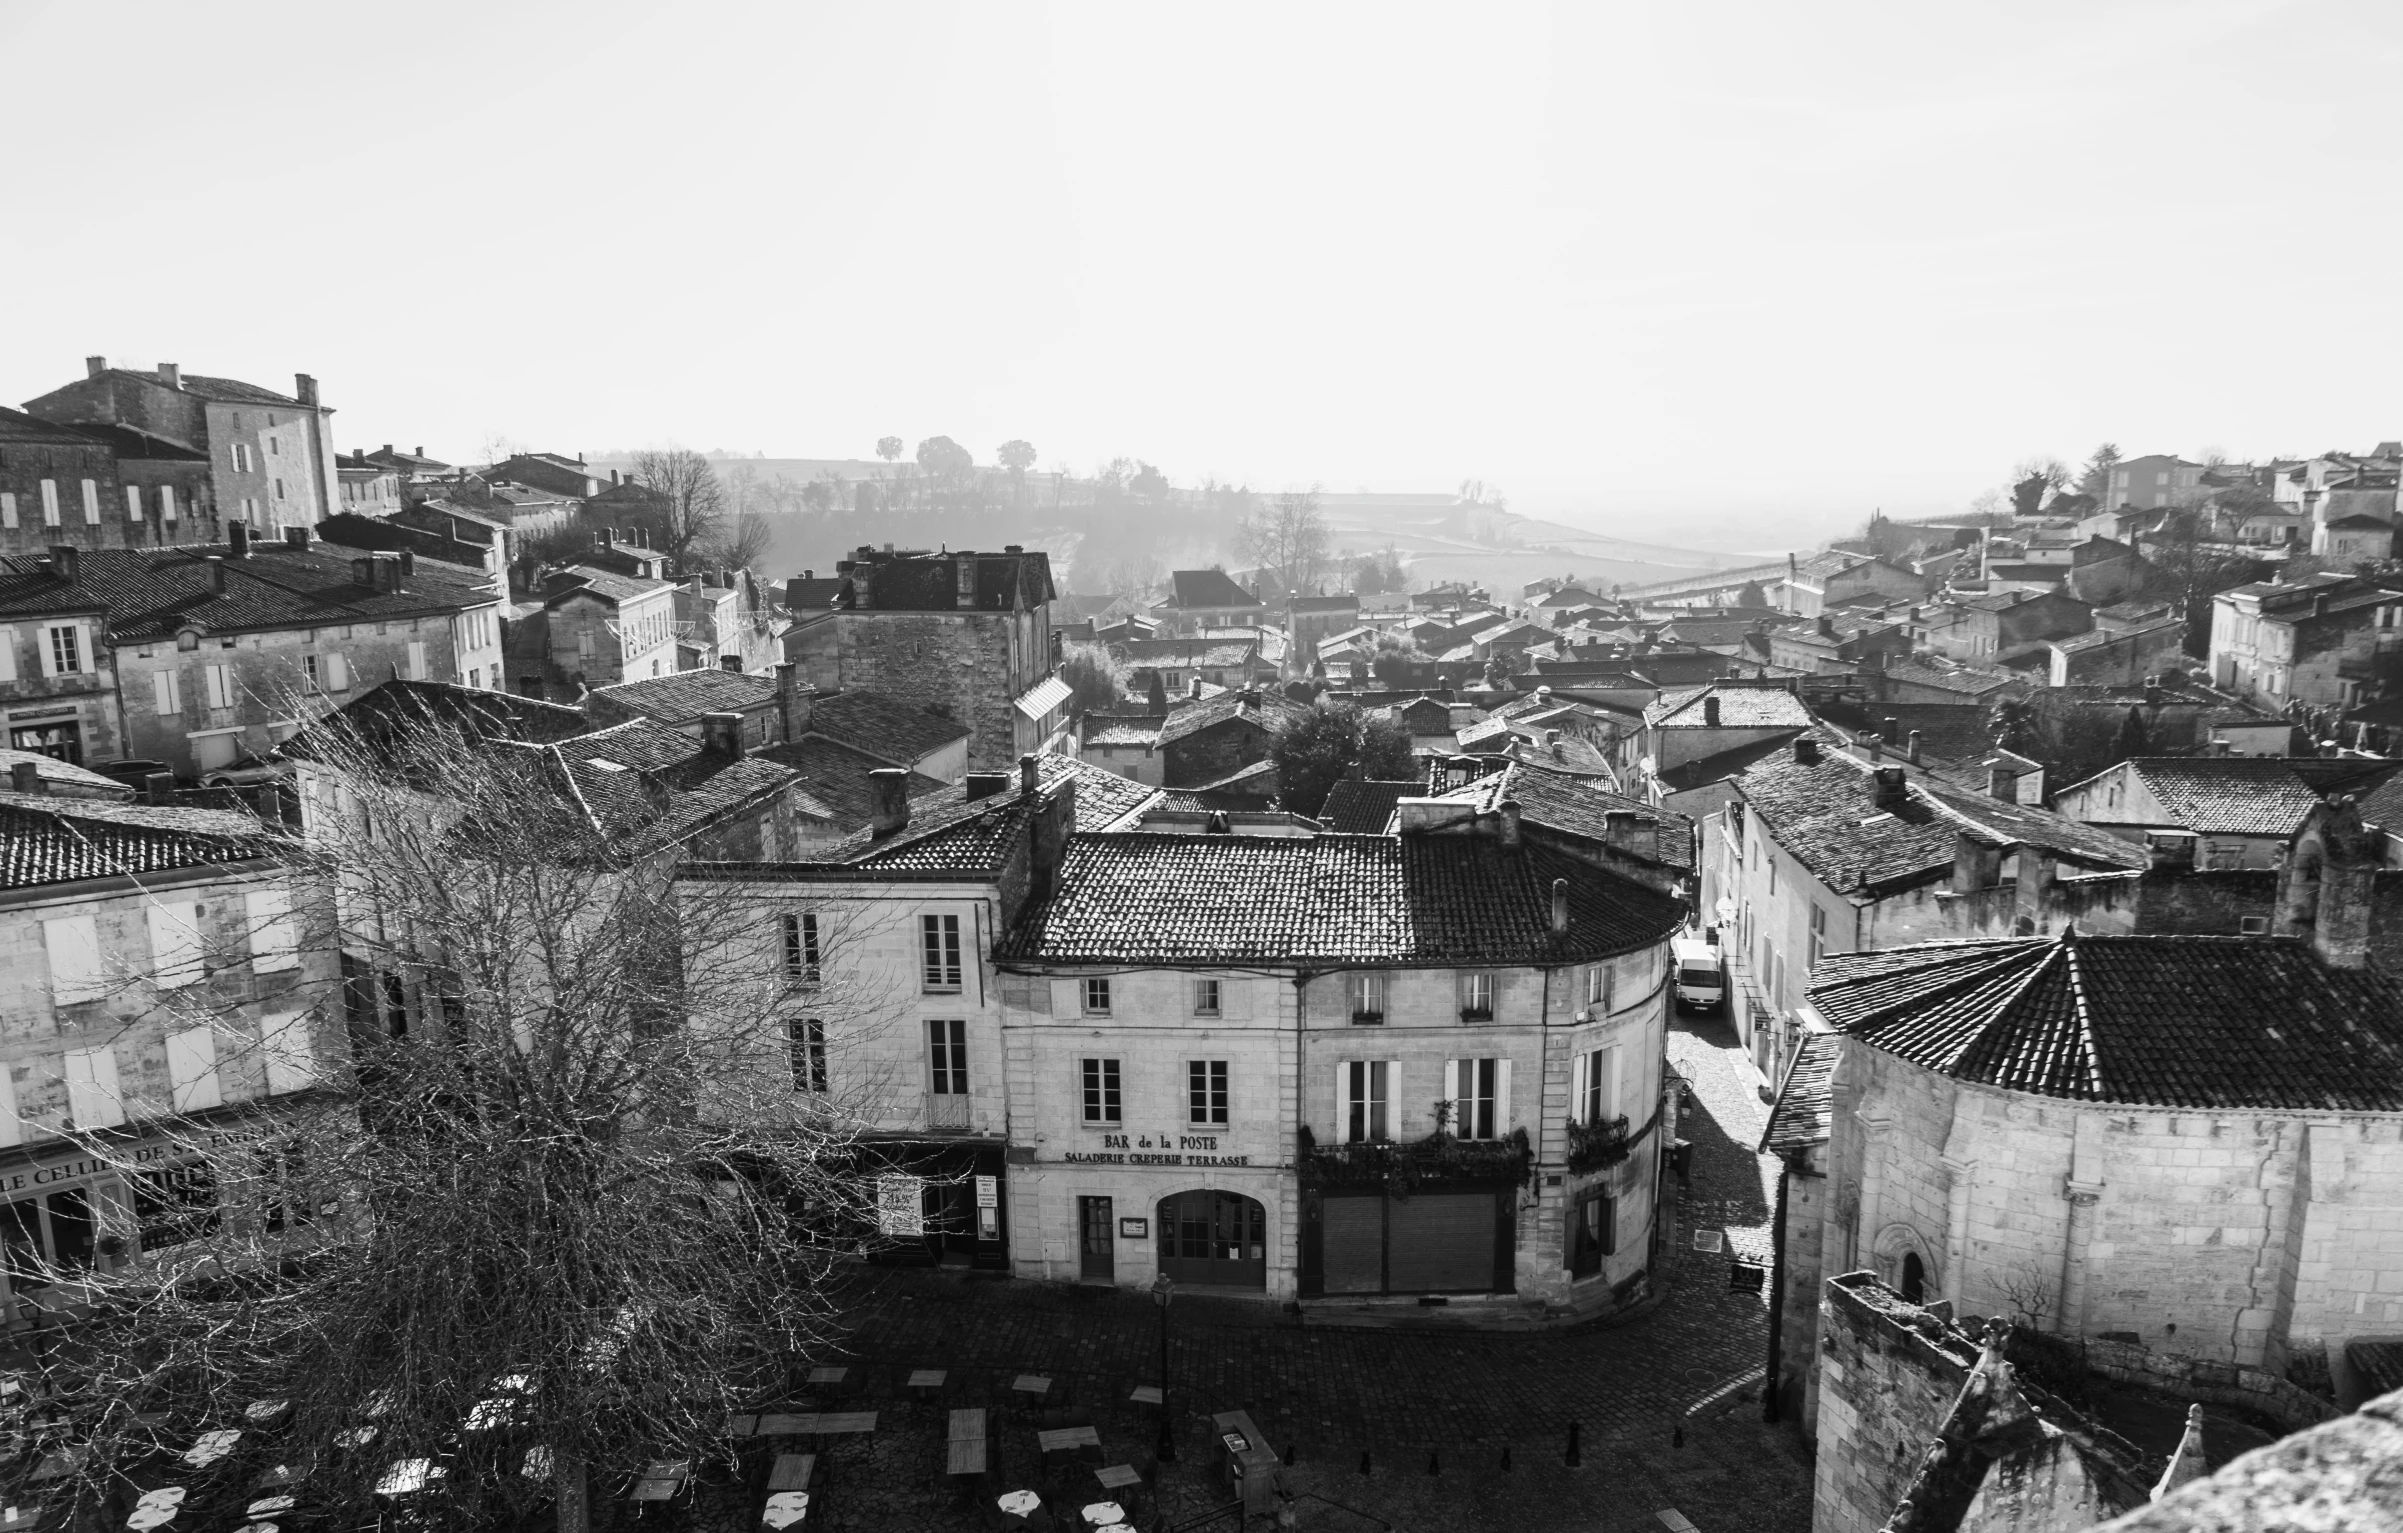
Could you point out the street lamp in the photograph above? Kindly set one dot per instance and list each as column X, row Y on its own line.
column 1163, row 1288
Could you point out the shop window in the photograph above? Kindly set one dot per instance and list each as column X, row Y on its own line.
column 1097, row 997
column 801, row 955
column 60, row 741
column 1593, row 1234
column 1368, row 999
column 176, row 1205
column 939, row 943
column 1367, row 1085
column 1205, row 998
column 807, row 1037
column 1206, row 1091
column 1101, row 1096
column 288, row 1201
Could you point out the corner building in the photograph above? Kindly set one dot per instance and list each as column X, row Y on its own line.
column 1340, row 1068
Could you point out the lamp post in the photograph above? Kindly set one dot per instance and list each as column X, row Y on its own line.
column 1163, row 1288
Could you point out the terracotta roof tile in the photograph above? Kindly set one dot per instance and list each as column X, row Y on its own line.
column 50, row 840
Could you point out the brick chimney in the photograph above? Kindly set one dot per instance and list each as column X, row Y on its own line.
column 888, row 792
column 171, row 375
column 237, row 540
column 1889, row 788
column 304, row 389
column 723, row 733
column 26, row 777
column 1710, row 711
column 93, row 367
column 793, row 705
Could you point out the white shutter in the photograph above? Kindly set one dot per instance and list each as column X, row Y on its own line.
column 49, row 502
column 1502, row 1099
column 92, row 1099
column 8, row 509
column 284, row 1040
column 192, row 1070
column 417, row 660
column 221, row 686
column 12, row 1127
column 1452, row 1092
column 273, row 942
column 73, row 943
column 91, row 501
column 337, row 672
column 166, row 697
column 166, row 502
column 8, row 653
column 1577, row 1073
column 1610, row 1081
column 1393, row 1098
column 133, row 502
column 175, row 953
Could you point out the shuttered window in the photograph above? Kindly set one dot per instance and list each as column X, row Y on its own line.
column 166, row 694
column 92, row 1097
column 133, row 502
column 73, row 946
column 1479, row 1091
column 1368, row 1086
column 91, row 502
column 176, row 958
column 808, row 1043
column 274, row 943
column 284, row 1042
column 192, row 1070
column 221, row 686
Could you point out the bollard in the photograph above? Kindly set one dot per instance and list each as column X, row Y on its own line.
column 1364, row 1461
column 1677, row 1437
column 1576, row 1459
column 1506, row 1458
column 1293, row 1451
column 1434, row 1463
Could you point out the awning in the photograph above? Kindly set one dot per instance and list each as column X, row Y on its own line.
column 1043, row 697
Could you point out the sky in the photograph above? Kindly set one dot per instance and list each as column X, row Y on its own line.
column 1647, row 267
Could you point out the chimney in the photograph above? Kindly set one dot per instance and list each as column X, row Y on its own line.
column 966, row 580
column 158, row 788
column 418, row 451
column 1710, row 710
column 26, row 776
column 1013, row 548
column 1892, row 733
column 986, row 784
column 732, row 663
column 1827, row 625
column 216, row 564
column 66, row 562
column 1507, row 815
column 387, row 450
column 888, row 792
column 297, row 537
column 2319, row 604
column 1872, row 746
column 237, row 540
column 792, row 704
column 403, row 569
column 171, row 375
column 1806, row 751
column 1195, row 690
column 2002, row 783
column 722, row 733
column 1975, row 865
column 1560, row 907
column 1889, row 788
column 304, row 389
column 93, row 367
column 613, row 476
column 1030, row 775
column 2036, row 868
column 609, row 537
column 1914, row 747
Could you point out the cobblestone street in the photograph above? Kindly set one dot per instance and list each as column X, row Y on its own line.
column 1433, row 1411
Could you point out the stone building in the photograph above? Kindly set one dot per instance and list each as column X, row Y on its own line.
column 270, row 456
column 2242, row 811
column 2189, row 1144
column 2330, row 641
column 1199, row 599
column 1992, row 627
column 965, row 634
column 1203, row 742
column 99, row 486
column 592, row 627
column 1825, row 581
column 2121, row 657
column 160, row 991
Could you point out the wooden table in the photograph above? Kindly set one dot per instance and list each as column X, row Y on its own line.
column 1146, row 1394
column 964, row 1452
column 928, row 1378
column 828, row 1376
column 1033, row 1384
column 663, row 1479
column 1067, row 1439
column 830, row 1423
column 1118, row 1477
column 743, row 1424
column 791, row 1471
column 782, row 1424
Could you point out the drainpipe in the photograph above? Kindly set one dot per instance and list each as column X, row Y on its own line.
column 1774, row 1373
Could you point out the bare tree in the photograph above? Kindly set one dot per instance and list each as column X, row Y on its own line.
column 567, row 1189
column 1286, row 539
column 689, row 503
column 740, row 540
column 2029, row 1293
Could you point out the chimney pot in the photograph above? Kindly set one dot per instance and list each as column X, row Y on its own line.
column 93, row 367
column 1889, row 788
column 26, row 776
column 1914, row 747
column 888, row 793
column 171, row 375
column 159, row 788
column 1892, row 733
column 1710, row 711
column 1030, row 776
column 217, row 572
column 723, row 733
column 237, row 540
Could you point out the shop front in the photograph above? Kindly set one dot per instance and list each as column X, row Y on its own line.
column 1107, row 1219
column 939, row 1204
column 1411, row 1219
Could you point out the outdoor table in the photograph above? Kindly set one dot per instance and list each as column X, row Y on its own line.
column 1103, row 1514
column 964, row 1453
column 157, row 1508
column 264, row 1411
column 784, row 1424
column 663, row 1479
column 928, row 1379
column 211, row 1447
column 785, row 1509
column 792, row 1471
column 268, row 1506
column 1118, row 1477
column 279, row 1477
column 1034, row 1385
column 1069, row 1439
column 743, row 1425
column 1146, row 1394
column 1021, row 1508
column 832, row 1423
column 828, row 1377
column 408, row 1476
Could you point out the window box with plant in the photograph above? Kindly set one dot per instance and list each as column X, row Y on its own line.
column 1436, row 1162
column 1596, row 1142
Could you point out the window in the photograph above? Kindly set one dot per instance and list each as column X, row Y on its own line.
column 8, row 653
column 241, row 457
column 1593, row 1234
column 49, row 502
column 949, row 1061
column 1368, row 998
column 221, row 686
column 1818, row 944
column 274, row 943
column 1097, row 997
column 2252, row 926
column 275, row 447
column 1598, row 986
column 1367, row 1085
column 808, row 1041
column 91, row 501
column 66, row 649
column 1479, row 1092
column 192, row 1070
column 279, row 489
column 1205, row 998
column 1777, row 981
column 176, row 955
column 1477, row 996
column 133, row 502
column 801, row 949
column 308, row 673
column 1101, row 1091
column 73, row 946
column 1206, row 1091
column 939, row 941
column 1594, row 1086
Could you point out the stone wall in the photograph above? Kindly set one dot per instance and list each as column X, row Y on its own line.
column 1888, row 1372
column 1209, row 754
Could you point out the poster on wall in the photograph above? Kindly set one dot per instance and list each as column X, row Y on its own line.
column 900, row 1205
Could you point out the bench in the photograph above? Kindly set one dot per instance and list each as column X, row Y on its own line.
column 964, row 1453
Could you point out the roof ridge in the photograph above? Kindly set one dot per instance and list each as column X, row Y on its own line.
column 1969, row 977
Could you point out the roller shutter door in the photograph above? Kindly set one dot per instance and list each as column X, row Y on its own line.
column 1442, row 1243
column 1352, row 1249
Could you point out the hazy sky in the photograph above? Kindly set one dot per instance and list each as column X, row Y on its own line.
column 1641, row 261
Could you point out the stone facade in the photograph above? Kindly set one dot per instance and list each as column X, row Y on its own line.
column 98, row 488
column 2332, row 641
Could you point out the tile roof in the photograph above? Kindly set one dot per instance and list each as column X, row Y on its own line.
column 1005, row 582
column 1388, row 900
column 232, row 391
column 1822, row 814
column 149, row 593
column 882, row 725
column 1261, row 709
column 2228, row 795
column 1151, row 654
column 948, row 832
column 1739, row 708
column 1103, row 798
column 1966, row 682
column 389, row 707
column 689, row 694
column 46, row 839
column 65, row 773
column 609, row 585
column 1102, row 729
column 1572, row 805
column 836, row 777
column 1804, row 1114
column 1364, row 807
column 1206, row 588
column 2200, row 1022
column 642, row 744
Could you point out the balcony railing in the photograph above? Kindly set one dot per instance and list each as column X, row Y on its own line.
column 1597, row 1143
column 1401, row 1168
column 946, row 1109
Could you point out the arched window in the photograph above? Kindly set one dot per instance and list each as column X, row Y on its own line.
column 1914, row 1278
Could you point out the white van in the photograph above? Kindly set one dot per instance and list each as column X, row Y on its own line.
column 1701, row 975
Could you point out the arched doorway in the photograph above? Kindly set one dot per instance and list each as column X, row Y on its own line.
column 1914, row 1278
column 1208, row 1236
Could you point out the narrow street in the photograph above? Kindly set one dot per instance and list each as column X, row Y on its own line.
column 1433, row 1411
